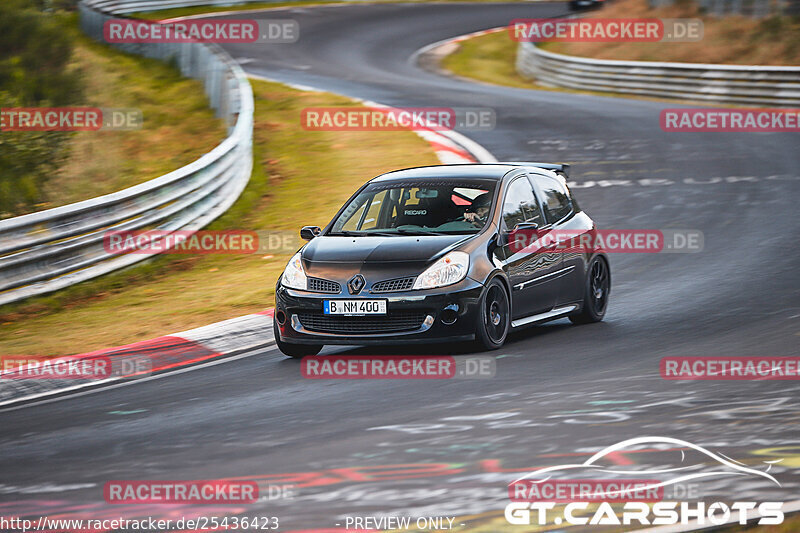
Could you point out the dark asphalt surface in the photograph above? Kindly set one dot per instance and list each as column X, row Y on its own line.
column 560, row 391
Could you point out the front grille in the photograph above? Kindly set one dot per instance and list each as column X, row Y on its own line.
column 323, row 285
column 393, row 285
column 393, row 322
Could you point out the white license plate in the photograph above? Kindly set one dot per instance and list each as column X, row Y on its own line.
column 354, row 307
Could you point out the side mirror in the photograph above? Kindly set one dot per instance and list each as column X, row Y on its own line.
column 309, row 232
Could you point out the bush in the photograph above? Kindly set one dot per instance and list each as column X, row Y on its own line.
column 35, row 49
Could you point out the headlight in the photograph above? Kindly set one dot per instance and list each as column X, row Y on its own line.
column 294, row 277
column 449, row 269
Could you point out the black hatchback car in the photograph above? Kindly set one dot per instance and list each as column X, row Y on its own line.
column 433, row 254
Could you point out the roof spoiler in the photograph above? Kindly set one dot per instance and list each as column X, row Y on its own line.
column 559, row 168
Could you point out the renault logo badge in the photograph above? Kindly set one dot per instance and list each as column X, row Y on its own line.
column 356, row 283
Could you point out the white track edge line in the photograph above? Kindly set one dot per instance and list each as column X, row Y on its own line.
column 63, row 394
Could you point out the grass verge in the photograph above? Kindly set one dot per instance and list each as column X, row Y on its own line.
column 300, row 177
column 178, row 126
column 734, row 40
column 488, row 58
column 729, row 40
column 200, row 10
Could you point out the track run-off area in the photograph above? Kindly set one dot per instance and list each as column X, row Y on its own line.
column 560, row 393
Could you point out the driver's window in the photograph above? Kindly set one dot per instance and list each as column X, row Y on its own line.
column 351, row 224
column 373, row 211
column 520, row 205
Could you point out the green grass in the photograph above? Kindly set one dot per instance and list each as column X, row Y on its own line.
column 189, row 11
column 491, row 58
column 178, row 126
column 300, row 177
column 488, row 58
column 731, row 40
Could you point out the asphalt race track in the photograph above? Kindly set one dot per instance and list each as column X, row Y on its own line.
column 448, row 448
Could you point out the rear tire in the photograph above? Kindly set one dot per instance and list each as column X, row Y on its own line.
column 595, row 294
column 494, row 318
column 294, row 350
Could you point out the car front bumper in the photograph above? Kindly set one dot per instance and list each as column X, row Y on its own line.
column 423, row 316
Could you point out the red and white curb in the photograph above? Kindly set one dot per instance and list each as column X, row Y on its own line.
column 222, row 340
column 450, row 146
column 195, row 347
column 446, row 47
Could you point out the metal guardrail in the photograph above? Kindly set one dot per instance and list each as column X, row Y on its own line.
column 749, row 8
column 738, row 84
column 49, row 250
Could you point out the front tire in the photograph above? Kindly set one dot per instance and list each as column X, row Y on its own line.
column 294, row 350
column 595, row 294
column 494, row 319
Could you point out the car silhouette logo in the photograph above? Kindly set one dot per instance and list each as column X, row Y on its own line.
column 356, row 283
column 721, row 465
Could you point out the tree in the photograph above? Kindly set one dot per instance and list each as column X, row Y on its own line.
column 35, row 48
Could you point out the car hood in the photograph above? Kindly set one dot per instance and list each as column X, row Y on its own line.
column 411, row 249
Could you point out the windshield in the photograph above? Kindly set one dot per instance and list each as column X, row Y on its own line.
column 417, row 208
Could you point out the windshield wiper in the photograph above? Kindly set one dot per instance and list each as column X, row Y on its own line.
column 418, row 232
column 386, row 233
column 347, row 233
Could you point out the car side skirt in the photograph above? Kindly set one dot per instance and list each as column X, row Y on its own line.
column 541, row 317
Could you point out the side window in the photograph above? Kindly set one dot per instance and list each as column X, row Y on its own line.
column 520, row 205
column 351, row 224
column 371, row 219
column 557, row 203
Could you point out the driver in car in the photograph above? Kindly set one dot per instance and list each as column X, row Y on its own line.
column 478, row 211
